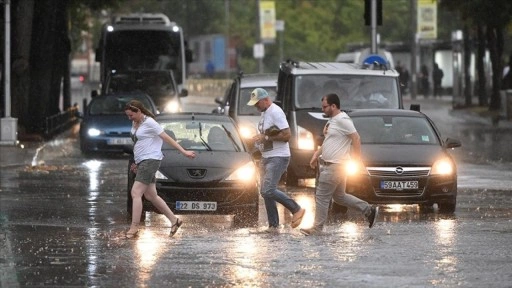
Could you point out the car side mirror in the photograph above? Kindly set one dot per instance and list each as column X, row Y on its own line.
column 452, row 143
column 94, row 93
column 218, row 100
column 415, row 107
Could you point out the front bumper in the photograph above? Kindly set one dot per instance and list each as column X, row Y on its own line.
column 103, row 144
column 230, row 198
column 431, row 189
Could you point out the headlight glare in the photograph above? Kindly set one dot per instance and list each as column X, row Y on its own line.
column 442, row 167
column 247, row 131
column 305, row 140
column 93, row 132
column 245, row 173
column 353, row 168
column 172, row 107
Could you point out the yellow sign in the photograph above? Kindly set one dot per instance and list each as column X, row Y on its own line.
column 427, row 19
column 267, row 21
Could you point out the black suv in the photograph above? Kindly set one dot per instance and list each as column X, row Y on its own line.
column 301, row 86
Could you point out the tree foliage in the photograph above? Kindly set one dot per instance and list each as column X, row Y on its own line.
column 47, row 30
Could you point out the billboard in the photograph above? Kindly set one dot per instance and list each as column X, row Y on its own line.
column 427, row 19
column 267, row 21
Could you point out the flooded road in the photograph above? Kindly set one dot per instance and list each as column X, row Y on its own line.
column 63, row 225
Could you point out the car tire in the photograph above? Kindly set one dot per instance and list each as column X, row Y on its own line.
column 247, row 217
column 447, row 207
column 425, row 208
column 83, row 148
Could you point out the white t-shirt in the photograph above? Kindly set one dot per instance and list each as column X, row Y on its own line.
column 149, row 143
column 336, row 146
column 274, row 115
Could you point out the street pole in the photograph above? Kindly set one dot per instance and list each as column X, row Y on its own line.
column 414, row 48
column 280, row 29
column 8, row 135
column 227, row 62
column 374, row 26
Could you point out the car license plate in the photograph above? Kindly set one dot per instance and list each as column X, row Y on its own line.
column 398, row 185
column 196, row 206
column 119, row 141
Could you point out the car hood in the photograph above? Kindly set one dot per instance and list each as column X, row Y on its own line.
column 406, row 155
column 118, row 123
column 207, row 166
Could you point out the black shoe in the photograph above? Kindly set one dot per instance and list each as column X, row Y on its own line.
column 372, row 218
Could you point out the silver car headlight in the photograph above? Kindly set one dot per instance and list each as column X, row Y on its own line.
column 443, row 166
column 172, row 106
column 93, row 132
column 245, row 173
column 305, row 140
column 247, row 131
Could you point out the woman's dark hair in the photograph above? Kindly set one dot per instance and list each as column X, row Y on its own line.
column 333, row 98
column 136, row 105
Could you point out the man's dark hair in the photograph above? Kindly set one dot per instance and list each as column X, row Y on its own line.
column 332, row 98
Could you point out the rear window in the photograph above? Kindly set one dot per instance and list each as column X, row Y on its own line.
column 355, row 91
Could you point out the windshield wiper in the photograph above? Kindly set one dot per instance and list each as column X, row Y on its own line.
column 202, row 140
column 231, row 138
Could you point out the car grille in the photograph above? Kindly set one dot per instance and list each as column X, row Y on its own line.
column 399, row 171
column 117, row 134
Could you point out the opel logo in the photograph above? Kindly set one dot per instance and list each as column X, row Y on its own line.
column 196, row 173
column 399, row 170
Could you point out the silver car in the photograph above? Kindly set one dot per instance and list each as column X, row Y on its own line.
column 234, row 102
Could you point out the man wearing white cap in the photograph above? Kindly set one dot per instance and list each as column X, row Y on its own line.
column 272, row 141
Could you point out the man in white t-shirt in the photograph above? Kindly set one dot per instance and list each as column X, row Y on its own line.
column 272, row 141
column 341, row 138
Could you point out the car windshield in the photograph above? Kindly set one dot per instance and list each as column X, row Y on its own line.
column 245, row 96
column 114, row 104
column 395, row 130
column 355, row 91
column 154, row 83
column 202, row 135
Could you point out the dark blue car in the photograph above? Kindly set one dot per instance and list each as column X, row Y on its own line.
column 105, row 127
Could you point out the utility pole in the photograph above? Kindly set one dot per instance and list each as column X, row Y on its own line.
column 226, row 11
column 9, row 129
column 374, row 26
column 414, row 48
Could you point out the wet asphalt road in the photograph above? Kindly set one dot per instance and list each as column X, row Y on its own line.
column 63, row 225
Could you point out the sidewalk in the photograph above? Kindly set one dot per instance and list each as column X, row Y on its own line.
column 474, row 113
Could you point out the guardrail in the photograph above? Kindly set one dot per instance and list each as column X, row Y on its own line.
column 59, row 122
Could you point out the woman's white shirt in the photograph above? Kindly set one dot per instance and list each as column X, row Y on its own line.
column 149, row 143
